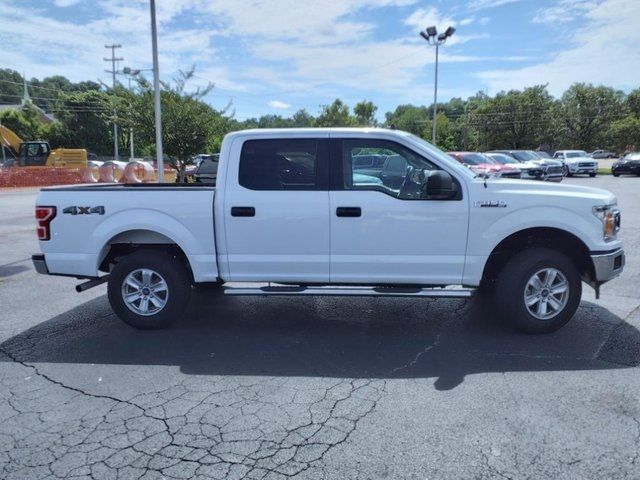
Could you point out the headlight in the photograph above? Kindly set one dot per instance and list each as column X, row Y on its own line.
column 610, row 217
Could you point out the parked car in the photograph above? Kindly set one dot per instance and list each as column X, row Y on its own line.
column 552, row 168
column 577, row 162
column 528, row 170
column 197, row 159
column 602, row 154
column 629, row 164
column 207, row 169
column 480, row 163
column 288, row 212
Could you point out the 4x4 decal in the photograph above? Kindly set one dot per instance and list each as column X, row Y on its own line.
column 84, row 210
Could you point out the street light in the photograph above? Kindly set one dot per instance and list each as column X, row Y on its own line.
column 430, row 34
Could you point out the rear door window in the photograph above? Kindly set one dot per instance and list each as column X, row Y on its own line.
column 284, row 164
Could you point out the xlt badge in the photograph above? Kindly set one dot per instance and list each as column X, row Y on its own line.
column 490, row 203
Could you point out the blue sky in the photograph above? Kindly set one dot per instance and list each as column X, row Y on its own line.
column 277, row 56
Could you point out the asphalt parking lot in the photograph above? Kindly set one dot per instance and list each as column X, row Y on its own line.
column 313, row 387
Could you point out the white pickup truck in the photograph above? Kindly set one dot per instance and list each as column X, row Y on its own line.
column 361, row 212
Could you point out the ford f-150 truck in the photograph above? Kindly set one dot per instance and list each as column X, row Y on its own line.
column 297, row 212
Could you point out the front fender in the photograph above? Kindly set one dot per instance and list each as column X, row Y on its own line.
column 486, row 239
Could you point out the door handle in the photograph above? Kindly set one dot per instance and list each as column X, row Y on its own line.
column 243, row 212
column 348, row 211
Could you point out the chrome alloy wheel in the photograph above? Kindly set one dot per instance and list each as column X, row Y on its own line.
column 546, row 293
column 145, row 292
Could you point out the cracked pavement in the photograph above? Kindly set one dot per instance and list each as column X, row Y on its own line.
column 308, row 388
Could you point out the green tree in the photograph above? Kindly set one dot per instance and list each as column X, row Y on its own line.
column 448, row 133
column 514, row 119
column 302, row 119
column 10, row 86
column 624, row 135
column 585, row 112
column 365, row 112
column 23, row 122
column 189, row 125
column 409, row 118
column 633, row 102
column 87, row 118
column 336, row 115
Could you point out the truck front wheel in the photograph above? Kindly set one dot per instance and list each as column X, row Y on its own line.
column 149, row 289
column 538, row 290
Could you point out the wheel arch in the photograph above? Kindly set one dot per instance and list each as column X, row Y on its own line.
column 555, row 238
column 129, row 241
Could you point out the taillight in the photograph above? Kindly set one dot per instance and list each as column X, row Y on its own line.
column 44, row 215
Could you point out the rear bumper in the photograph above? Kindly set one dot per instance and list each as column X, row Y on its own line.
column 40, row 264
column 607, row 265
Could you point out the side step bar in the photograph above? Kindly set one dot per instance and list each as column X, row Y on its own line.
column 352, row 291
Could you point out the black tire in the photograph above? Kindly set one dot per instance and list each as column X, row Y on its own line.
column 616, row 174
column 592, row 174
column 166, row 267
column 511, row 285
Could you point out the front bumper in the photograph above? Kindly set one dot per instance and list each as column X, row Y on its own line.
column 40, row 264
column 607, row 265
column 577, row 169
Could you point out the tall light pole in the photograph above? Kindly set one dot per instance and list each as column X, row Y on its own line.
column 113, row 71
column 156, row 91
column 430, row 34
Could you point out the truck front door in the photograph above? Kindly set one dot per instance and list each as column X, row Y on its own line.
column 383, row 229
column 276, row 210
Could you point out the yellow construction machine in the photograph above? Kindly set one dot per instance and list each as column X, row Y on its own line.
column 38, row 153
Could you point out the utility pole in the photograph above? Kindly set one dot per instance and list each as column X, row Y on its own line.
column 156, row 91
column 113, row 71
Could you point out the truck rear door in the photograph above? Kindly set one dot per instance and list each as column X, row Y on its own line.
column 276, row 209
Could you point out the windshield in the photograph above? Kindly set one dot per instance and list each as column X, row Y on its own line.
column 525, row 155
column 542, row 155
column 502, row 158
column 632, row 156
column 475, row 159
column 575, row 154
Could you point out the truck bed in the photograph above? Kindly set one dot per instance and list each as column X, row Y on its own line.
column 91, row 218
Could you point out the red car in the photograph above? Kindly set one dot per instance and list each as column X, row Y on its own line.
column 480, row 163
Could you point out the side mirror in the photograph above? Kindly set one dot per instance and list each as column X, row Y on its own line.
column 440, row 186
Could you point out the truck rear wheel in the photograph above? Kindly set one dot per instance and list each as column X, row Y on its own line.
column 149, row 289
column 538, row 290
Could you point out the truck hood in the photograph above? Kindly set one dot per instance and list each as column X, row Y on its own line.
column 579, row 159
column 547, row 191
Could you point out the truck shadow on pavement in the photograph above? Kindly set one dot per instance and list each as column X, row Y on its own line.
column 442, row 339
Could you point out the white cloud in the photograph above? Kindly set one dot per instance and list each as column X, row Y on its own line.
column 277, row 104
column 483, row 4
column 603, row 51
column 564, row 11
column 310, row 22
column 422, row 18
